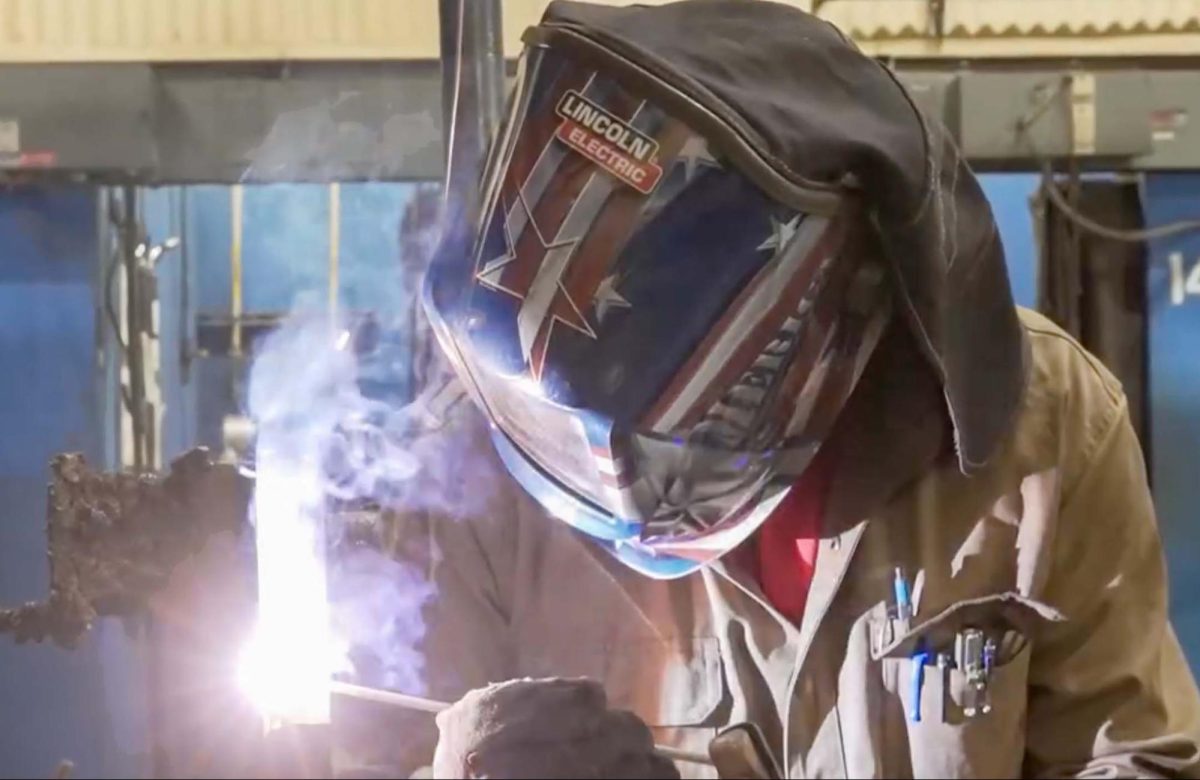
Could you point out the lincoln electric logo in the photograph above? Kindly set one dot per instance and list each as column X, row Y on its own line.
column 611, row 143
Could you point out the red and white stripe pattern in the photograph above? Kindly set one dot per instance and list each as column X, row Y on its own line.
column 616, row 476
column 564, row 222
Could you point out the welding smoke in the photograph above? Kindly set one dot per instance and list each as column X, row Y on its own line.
column 324, row 451
column 357, row 418
column 355, row 129
column 304, row 394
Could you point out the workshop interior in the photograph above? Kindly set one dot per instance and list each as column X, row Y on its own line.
column 194, row 194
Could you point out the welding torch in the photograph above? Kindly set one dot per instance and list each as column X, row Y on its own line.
column 421, row 704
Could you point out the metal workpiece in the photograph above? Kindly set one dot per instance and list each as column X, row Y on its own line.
column 114, row 539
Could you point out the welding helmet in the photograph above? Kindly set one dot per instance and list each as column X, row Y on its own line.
column 659, row 328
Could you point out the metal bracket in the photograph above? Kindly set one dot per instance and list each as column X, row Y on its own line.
column 937, row 18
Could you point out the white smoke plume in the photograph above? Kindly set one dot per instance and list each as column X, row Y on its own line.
column 324, row 451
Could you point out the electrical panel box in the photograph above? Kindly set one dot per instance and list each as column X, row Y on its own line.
column 1035, row 115
column 305, row 122
column 935, row 93
column 1023, row 116
column 62, row 117
column 1174, row 121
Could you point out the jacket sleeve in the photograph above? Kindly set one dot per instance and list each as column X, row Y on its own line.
column 454, row 556
column 1111, row 694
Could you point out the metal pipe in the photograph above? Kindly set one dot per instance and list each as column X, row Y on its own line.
column 380, row 696
column 472, row 54
column 236, row 195
column 335, row 241
column 187, row 330
column 433, row 707
column 134, row 327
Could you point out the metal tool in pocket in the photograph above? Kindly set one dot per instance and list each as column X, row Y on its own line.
column 975, row 656
column 944, row 664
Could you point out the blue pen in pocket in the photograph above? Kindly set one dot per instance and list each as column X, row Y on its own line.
column 902, row 594
column 920, row 658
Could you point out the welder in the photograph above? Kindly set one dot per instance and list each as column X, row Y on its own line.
column 782, row 450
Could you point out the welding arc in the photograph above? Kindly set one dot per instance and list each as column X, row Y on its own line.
column 433, row 707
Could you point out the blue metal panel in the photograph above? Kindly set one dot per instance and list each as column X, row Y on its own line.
column 286, row 246
column 285, row 239
column 1174, row 316
column 208, row 239
column 1009, row 195
column 52, row 703
column 371, row 277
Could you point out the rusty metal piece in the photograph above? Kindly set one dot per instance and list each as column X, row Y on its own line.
column 114, row 539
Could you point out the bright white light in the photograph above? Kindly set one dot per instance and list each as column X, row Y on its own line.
column 287, row 667
column 282, row 681
column 343, row 340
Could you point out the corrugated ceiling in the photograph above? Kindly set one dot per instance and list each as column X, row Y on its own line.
column 191, row 30
column 871, row 20
column 181, row 30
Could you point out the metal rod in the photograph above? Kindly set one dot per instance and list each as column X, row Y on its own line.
column 421, row 704
column 236, row 197
column 472, row 56
column 134, row 327
column 335, row 241
column 675, row 754
column 388, row 697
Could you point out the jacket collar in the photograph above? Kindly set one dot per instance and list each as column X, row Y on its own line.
column 893, row 430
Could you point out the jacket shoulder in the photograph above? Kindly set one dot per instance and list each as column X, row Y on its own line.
column 1071, row 399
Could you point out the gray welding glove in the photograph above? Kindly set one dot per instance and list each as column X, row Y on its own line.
column 544, row 729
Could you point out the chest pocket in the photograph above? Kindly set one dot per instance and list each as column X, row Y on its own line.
column 928, row 720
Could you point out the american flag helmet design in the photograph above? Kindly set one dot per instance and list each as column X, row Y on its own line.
column 660, row 346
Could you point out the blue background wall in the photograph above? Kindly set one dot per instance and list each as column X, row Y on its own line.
column 1009, row 194
column 89, row 705
column 285, row 259
column 1175, row 396
column 53, row 704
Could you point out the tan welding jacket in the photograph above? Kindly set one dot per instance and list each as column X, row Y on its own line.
column 1054, row 540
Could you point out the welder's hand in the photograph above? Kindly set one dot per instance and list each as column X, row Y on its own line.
column 543, row 729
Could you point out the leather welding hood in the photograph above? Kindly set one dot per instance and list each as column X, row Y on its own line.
column 821, row 173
